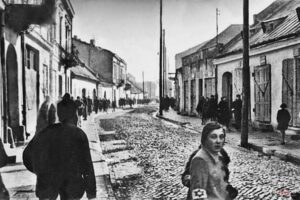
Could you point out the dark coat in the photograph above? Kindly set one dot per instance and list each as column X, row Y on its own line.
column 212, row 108
column 60, row 157
column 283, row 119
column 223, row 112
column 237, row 106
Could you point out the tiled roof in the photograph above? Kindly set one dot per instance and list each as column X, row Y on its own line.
column 134, row 88
column 225, row 36
column 289, row 25
column 83, row 72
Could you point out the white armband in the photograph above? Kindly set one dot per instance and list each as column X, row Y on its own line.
column 199, row 194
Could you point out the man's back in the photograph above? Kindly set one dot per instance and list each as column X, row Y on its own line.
column 61, row 160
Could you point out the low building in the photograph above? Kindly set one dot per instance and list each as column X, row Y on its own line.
column 107, row 65
column 274, row 64
column 195, row 72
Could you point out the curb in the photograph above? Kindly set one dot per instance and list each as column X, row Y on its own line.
column 276, row 153
column 265, row 150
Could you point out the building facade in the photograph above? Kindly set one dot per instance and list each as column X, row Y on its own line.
column 274, row 65
column 195, row 72
column 34, row 67
column 106, row 64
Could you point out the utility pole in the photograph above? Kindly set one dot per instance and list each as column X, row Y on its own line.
column 160, row 60
column 164, row 63
column 246, row 76
column 143, row 86
column 217, row 46
column 217, row 28
column 4, row 77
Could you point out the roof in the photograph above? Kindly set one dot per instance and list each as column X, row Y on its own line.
column 286, row 25
column 134, row 88
column 224, row 37
column 82, row 71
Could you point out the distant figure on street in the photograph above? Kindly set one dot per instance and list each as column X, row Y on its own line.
column 113, row 105
column 79, row 106
column 84, row 100
column 224, row 113
column 199, row 108
column 89, row 105
column 237, row 110
column 205, row 111
column 96, row 104
column 46, row 115
column 283, row 119
column 60, row 157
column 212, row 108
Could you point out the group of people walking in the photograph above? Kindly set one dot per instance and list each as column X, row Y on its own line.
column 210, row 109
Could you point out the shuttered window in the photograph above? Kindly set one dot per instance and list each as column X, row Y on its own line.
column 288, row 74
column 262, row 92
column 296, row 111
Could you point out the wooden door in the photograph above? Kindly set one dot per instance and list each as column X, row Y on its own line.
column 193, row 95
column 262, row 91
column 186, row 98
column 288, row 86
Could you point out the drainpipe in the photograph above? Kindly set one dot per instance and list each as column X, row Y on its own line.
column 24, row 121
column 4, row 77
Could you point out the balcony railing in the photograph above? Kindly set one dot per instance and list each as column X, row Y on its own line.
column 27, row 2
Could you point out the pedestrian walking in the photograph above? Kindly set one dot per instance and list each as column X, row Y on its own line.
column 200, row 106
column 205, row 111
column 79, row 106
column 113, row 104
column 46, row 115
column 283, row 119
column 60, row 157
column 96, row 104
column 237, row 111
column 84, row 114
column 224, row 113
column 89, row 105
column 209, row 175
column 212, row 108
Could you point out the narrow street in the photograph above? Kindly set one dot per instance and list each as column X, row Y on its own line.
column 163, row 148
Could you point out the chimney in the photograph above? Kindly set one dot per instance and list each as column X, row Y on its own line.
column 92, row 42
column 255, row 19
column 298, row 13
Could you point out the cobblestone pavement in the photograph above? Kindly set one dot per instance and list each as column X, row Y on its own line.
column 163, row 149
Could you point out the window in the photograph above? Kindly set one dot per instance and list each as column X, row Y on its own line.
column 45, row 80
column 32, row 58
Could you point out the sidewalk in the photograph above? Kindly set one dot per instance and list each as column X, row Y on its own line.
column 265, row 142
column 21, row 183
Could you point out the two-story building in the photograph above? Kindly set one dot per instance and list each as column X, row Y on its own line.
column 107, row 65
column 195, row 72
column 36, row 60
column 274, row 64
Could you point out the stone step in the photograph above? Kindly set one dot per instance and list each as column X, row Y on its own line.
column 107, row 124
column 101, row 169
column 119, row 157
column 114, row 146
column 107, row 135
column 125, row 171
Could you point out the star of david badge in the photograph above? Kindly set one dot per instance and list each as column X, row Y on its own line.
column 199, row 194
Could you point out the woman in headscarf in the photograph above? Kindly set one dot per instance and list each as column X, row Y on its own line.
column 209, row 175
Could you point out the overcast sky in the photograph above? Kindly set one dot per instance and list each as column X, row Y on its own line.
column 130, row 28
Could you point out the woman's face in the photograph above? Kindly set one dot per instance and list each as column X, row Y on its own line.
column 215, row 140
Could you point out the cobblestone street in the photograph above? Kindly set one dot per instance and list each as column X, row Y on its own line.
column 163, row 148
